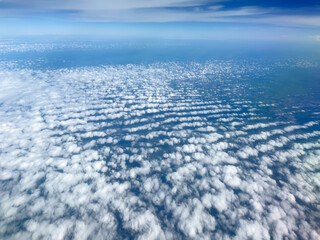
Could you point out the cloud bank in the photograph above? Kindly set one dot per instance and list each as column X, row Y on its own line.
column 118, row 151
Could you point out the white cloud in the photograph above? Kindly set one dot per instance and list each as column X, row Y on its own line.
column 247, row 152
column 157, row 11
column 71, row 174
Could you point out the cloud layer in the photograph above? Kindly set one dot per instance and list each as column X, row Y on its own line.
column 150, row 152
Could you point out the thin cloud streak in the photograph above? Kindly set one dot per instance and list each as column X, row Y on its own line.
column 158, row 11
column 166, row 15
column 100, row 4
column 242, row 15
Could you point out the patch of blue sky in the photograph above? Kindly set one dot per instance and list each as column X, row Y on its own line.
column 297, row 21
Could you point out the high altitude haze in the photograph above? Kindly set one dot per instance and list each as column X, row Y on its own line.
column 277, row 20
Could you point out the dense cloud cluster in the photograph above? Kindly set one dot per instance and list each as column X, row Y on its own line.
column 162, row 151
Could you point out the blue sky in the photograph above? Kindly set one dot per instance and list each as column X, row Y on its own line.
column 218, row 19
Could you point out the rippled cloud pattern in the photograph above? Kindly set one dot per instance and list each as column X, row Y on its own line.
column 157, row 151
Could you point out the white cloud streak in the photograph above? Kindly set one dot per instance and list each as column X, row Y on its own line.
column 156, row 11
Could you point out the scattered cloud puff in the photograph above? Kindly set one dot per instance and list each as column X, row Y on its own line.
column 117, row 151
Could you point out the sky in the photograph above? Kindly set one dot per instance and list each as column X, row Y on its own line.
column 187, row 19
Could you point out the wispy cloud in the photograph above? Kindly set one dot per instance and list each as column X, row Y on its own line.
column 164, row 11
column 98, row 4
column 167, row 15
